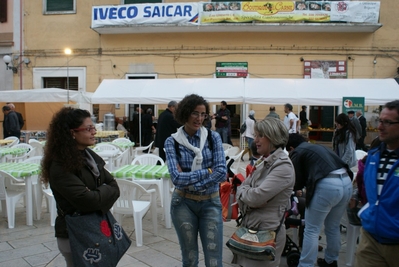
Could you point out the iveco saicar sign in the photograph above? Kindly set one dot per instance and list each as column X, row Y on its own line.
column 173, row 13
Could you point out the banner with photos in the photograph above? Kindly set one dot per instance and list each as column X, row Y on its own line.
column 290, row 11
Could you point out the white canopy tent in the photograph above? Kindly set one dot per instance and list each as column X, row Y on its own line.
column 161, row 91
column 319, row 92
column 45, row 95
column 39, row 105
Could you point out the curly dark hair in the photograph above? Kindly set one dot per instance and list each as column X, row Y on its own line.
column 60, row 146
column 346, row 123
column 187, row 105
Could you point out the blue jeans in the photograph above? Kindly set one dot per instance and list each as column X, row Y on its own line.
column 223, row 134
column 330, row 198
column 190, row 217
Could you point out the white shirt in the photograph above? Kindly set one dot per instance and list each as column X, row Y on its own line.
column 250, row 131
column 290, row 116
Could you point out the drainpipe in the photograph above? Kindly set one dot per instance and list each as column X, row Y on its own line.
column 20, row 45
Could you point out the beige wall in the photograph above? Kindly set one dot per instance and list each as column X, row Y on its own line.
column 185, row 55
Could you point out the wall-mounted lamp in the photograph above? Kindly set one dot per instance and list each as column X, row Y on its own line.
column 7, row 59
column 375, row 60
column 301, row 59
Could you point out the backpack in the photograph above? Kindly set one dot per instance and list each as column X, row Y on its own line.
column 210, row 143
column 243, row 128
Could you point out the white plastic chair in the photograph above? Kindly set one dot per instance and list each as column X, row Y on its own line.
column 122, row 159
column 226, row 146
column 149, row 159
column 15, row 141
column 121, row 139
column 360, row 154
column 140, row 149
column 237, row 161
column 352, row 233
column 232, row 151
column 129, row 203
column 109, row 153
column 9, row 197
column 38, row 147
column 21, row 157
column 46, row 191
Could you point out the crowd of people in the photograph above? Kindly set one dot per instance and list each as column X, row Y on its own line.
column 282, row 163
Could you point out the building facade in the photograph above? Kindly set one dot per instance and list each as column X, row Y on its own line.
column 170, row 51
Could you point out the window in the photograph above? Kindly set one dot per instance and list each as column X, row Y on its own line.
column 3, row 11
column 59, row 6
column 141, row 1
column 61, row 82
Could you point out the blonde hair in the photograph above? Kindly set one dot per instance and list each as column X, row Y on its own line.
column 274, row 129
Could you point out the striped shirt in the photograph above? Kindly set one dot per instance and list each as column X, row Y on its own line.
column 202, row 180
column 388, row 158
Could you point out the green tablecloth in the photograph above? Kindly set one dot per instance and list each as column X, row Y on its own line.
column 124, row 145
column 20, row 170
column 12, row 151
column 142, row 171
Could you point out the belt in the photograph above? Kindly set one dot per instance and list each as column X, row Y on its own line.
column 196, row 197
column 336, row 175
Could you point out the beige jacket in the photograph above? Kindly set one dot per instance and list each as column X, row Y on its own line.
column 264, row 197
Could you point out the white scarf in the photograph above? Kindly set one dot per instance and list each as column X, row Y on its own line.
column 180, row 137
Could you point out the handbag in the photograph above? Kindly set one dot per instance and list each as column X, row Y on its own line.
column 96, row 239
column 254, row 244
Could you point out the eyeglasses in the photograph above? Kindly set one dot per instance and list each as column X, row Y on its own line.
column 196, row 114
column 88, row 129
column 387, row 123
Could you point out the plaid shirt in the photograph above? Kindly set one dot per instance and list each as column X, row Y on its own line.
column 202, row 180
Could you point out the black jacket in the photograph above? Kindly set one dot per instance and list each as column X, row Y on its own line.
column 363, row 124
column 166, row 126
column 312, row 163
column 71, row 191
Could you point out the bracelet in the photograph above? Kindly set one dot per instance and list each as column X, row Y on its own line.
column 210, row 170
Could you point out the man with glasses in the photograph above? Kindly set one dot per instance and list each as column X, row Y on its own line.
column 379, row 242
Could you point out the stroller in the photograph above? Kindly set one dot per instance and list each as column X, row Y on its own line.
column 228, row 191
column 291, row 250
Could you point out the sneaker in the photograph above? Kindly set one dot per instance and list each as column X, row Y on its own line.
column 322, row 263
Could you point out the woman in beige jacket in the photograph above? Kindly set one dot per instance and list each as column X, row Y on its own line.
column 264, row 195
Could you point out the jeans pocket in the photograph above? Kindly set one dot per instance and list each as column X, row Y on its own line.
column 176, row 200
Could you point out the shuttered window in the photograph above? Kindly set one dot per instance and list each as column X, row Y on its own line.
column 3, row 11
column 59, row 6
column 61, row 82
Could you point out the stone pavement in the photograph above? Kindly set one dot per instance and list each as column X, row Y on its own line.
column 26, row 246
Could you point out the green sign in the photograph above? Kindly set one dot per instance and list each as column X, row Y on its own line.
column 354, row 103
column 231, row 69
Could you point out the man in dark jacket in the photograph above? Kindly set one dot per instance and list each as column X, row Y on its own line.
column 166, row 126
column 19, row 115
column 363, row 125
column 11, row 124
column 328, row 184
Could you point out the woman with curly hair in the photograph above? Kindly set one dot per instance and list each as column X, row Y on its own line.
column 197, row 165
column 344, row 140
column 75, row 173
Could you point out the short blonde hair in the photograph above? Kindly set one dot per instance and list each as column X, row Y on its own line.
column 274, row 129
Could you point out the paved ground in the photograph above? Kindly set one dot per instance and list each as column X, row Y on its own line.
column 26, row 246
